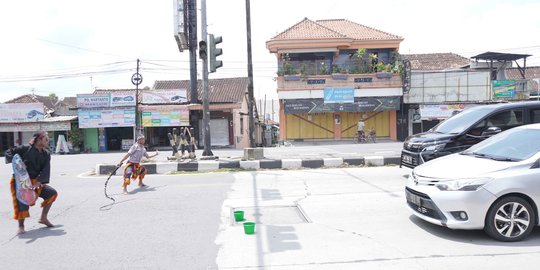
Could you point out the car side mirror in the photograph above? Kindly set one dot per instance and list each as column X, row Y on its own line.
column 490, row 131
column 536, row 164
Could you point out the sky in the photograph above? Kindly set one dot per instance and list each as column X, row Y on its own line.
column 70, row 47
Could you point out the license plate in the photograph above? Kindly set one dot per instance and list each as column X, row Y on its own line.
column 414, row 199
column 406, row 159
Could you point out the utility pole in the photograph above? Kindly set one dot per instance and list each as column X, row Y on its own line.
column 136, row 80
column 250, row 79
column 203, row 54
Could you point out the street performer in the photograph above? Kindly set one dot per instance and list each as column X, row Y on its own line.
column 133, row 167
column 37, row 160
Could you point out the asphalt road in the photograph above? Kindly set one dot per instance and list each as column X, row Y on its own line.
column 340, row 218
column 172, row 224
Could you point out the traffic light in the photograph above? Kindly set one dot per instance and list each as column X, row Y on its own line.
column 202, row 49
column 215, row 52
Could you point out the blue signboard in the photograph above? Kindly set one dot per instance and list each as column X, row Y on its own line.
column 338, row 95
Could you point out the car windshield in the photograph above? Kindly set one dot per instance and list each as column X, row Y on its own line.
column 461, row 121
column 512, row 145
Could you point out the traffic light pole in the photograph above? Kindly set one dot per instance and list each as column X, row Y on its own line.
column 206, row 108
column 192, row 43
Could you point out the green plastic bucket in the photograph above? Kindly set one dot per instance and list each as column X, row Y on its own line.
column 249, row 227
column 238, row 215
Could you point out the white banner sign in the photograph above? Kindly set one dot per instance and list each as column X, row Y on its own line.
column 21, row 112
column 93, row 101
column 164, row 96
column 113, row 117
column 122, row 99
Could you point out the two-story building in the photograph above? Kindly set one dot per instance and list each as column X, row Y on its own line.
column 333, row 73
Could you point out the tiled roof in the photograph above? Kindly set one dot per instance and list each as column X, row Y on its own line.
column 29, row 98
column 357, row 31
column 70, row 102
column 58, row 107
column 332, row 29
column 436, row 61
column 107, row 91
column 530, row 74
column 227, row 90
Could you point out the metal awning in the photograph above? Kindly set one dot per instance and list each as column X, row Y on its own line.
column 504, row 57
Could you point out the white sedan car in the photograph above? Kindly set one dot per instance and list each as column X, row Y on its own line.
column 494, row 185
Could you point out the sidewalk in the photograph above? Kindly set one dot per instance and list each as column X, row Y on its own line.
column 299, row 155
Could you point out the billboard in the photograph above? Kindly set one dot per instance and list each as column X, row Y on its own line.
column 164, row 96
column 93, row 101
column 115, row 99
column 364, row 104
column 21, row 112
column 504, row 88
column 106, row 117
column 165, row 116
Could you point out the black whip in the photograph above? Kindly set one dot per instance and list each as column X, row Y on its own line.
column 107, row 181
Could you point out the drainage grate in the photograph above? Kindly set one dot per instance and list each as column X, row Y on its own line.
column 272, row 214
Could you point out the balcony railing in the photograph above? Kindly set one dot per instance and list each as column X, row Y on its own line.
column 360, row 81
column 326, row 67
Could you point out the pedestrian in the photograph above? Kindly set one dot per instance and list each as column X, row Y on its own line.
column 192, row 143
column 360, row 128
column 183, row 142
column 133, row 167
column 37, row 160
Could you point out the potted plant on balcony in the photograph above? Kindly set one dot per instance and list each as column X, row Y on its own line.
column 338, row 73
column 288, row 70
column 384, row 71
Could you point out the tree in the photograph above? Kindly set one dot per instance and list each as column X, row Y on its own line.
column 75, row 136
column 53, row 97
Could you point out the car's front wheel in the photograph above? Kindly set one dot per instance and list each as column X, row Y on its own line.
column 510, row 219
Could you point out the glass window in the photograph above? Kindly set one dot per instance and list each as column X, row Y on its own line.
column 535, row 116
column 506, row 119
column 461, row 121
column 514, row 144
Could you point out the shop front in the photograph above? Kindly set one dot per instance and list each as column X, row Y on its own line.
column 320, row 119
column 108, row 120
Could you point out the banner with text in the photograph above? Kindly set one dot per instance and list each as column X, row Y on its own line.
column 165, row 116
column 106, row 117
column 338, row 95
column 365, row 104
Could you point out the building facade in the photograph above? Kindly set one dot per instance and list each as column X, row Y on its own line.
column 333, row 73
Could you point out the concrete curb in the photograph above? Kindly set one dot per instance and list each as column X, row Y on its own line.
column 209, row 165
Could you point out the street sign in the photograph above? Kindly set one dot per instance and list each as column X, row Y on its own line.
column 136, row 79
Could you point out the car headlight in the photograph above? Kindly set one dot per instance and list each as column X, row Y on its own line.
column 469, row 184
column 434, row 146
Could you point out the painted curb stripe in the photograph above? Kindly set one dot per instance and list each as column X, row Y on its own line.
column 162, row 168
column 188, row 167
column 270, row 164
column 233, row 164
column 312, row 163
column 354, row 161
